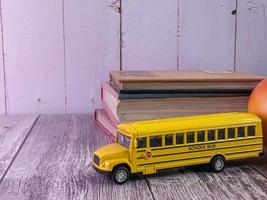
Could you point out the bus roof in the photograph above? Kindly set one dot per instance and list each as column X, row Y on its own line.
column 172, row 125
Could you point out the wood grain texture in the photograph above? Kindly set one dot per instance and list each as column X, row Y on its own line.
column 149, row 34
column 235, row 182
column 34, row 56
column 259, row 164
column 2, row 75
column 207, row 34
column 55, row 163
column 92, row 50
column 252, row 36
column 13, row 131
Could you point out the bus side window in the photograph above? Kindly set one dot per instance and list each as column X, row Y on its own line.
column 221, row 134
column 155, row 141
column 231, row 133
column 141, row 142
column 201, row 136
column 190, row 137
column 211, row 135
column 251, row 130
column 168, row 140
column 241, row 132
column 179, row 138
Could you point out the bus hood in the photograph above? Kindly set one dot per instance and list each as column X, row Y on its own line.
column 112, row 151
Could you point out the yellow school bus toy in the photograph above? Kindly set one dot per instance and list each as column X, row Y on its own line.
column 147, row 146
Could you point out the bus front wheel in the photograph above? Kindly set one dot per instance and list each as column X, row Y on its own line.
column 120, row 175
column 217, row 163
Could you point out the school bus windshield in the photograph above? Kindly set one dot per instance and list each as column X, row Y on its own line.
column 123, row 140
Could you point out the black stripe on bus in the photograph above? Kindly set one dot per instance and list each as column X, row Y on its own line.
column 194, row 158
column 160, row 155
column 247, row 151
column 200, row 143
column 173, row 160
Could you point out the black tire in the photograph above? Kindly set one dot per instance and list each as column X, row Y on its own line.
column 217, row 164
column 120, row 175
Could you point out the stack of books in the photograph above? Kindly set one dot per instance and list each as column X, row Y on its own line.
column 142, row 95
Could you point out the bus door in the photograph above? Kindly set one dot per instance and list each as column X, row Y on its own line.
column 155, row 142
column 143, row 156
column 148, row 168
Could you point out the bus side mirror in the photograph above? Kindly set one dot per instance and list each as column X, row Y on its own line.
column 135, row 144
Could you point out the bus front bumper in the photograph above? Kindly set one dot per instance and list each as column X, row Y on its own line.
column 101, row 171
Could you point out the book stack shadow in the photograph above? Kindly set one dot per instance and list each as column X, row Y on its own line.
column 143, row 95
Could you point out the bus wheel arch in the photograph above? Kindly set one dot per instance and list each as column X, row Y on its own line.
column 120, row 173
column 218, row 163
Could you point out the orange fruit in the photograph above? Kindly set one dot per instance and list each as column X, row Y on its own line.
column 258, row 105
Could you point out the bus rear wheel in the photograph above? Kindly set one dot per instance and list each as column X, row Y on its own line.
column 217, row 163
column 120, row 175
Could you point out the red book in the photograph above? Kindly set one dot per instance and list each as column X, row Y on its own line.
column 104, row 122
column 109, row 99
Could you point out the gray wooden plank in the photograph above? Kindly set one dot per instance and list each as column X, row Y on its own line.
column 206, row 34
column 92, row 49
column 34, row 56
column 13, row 131
column 259, row 164
column 149, row 34
column 2, row 73
column 235, row 182
column 251, row 43
column 54, row 163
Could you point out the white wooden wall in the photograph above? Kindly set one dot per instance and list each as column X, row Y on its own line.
column 251, row 51
column 55, row 53
column 207, row 34
column 2, row 76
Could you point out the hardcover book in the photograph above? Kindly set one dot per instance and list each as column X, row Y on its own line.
column 103, row 121
column 183, row 80
column 141, row 108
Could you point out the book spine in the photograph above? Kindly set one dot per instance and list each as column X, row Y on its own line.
column 101, row 91
column 95, row 114
column 112, row 118
column 107, row 87
column 103, row 127
column 179, row 95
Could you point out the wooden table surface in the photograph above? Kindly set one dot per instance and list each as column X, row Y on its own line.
column 49, row 157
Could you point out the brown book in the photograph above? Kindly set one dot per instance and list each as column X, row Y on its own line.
column 183, row 80
column 126, row 110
